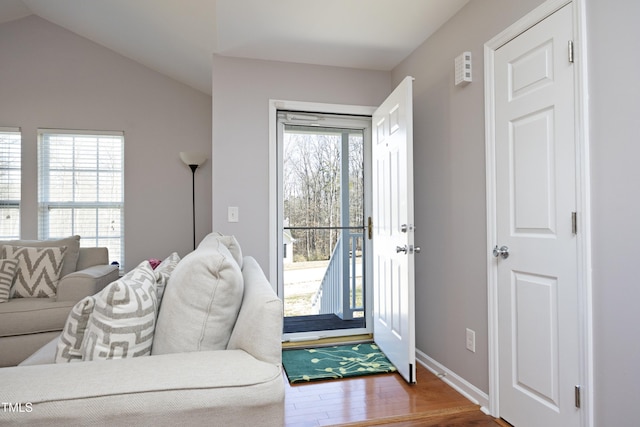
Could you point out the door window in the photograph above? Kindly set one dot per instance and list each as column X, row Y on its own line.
column 322, row 196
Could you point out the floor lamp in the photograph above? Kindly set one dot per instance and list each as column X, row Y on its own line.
column 193, row 160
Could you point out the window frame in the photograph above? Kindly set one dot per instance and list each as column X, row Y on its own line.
column 45, row 204
column 13, row 203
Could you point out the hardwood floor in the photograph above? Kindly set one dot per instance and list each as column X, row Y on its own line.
column 382, row 400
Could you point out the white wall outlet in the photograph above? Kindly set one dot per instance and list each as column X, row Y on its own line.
column 471, row 340
column 233, row 214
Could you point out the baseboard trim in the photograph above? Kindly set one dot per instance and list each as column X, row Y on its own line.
column 462, row 386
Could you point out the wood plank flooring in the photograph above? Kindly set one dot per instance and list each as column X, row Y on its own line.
column 381, row 400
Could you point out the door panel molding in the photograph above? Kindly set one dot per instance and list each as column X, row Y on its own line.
column 582, row 197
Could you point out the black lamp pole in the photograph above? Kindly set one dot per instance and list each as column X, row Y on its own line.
column 193, row 204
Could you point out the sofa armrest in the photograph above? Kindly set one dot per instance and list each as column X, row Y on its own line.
column 258, row 329
column 75, row 286
column 88, row 257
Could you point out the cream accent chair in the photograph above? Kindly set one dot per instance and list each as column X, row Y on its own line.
column 26, row 324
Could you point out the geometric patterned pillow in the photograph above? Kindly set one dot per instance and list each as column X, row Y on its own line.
column 38, row 270
column 7, row 273
column 163, row 273
column 70, row 340
column 123, row 319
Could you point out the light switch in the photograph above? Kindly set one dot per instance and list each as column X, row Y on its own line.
column 232, row 214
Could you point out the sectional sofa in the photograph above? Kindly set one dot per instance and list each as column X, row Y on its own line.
column 194, row 373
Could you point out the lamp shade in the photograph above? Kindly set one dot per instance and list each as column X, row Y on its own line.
column 193, row 158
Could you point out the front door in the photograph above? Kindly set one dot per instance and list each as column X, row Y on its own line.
column 393, row 230
column 536, row 244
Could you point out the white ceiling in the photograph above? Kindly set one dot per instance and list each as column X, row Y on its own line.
column 178, row 37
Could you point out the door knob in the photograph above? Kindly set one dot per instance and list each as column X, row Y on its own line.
column 401, row 249
column 502, row 251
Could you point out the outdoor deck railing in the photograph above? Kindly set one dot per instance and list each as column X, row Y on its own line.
column 337, row 293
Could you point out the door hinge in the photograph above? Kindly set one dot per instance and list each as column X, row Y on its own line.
column 577, row 396
column 574, row 222
column 370, row 228
column 571, row 51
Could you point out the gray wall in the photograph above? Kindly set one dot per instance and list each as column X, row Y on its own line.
column 450, row 195
column 614, row 37
column 242, row 89
column 52, row 78
column 449, row 179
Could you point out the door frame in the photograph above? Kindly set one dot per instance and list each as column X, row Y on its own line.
column 274, row 205
column 585, row 314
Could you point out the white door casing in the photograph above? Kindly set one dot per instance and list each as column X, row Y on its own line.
column 393, row 229
column 535, row 186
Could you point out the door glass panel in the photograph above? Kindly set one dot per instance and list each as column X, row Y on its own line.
column 323, row 225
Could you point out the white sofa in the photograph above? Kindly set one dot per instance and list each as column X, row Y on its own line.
column 241, row 385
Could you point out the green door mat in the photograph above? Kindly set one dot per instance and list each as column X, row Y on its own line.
column 342, row 361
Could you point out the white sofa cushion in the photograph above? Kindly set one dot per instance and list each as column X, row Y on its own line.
column 122, row 322
column 201, row 303
column 38, row 270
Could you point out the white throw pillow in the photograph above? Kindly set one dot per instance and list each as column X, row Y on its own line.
column 69, row 347
column 8, row 269
column 230, row 242
column 201, row 304
column 38, row 270
column 123, row 319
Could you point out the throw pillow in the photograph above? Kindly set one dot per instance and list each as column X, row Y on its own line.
column 70, row 340
column 163, row 273
column 229, row 241
column 201, row 305
column 123, row 319
column 7, row 273
column 38, row 270
column 70, row 259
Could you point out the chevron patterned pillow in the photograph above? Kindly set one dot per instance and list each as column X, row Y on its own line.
column 7, row 273
column 123, row 319
column 38, row 270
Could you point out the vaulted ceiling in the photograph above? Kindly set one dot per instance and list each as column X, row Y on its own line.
column 179, row 37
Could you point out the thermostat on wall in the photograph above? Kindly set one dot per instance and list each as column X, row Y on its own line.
column 463, row 69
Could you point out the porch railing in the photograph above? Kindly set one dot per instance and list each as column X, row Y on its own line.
column 337, row 293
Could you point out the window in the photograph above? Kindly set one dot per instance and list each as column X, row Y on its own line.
column 81, row 188
column 10, row 172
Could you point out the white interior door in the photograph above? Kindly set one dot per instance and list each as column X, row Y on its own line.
column 393, row 229
column 535, row 158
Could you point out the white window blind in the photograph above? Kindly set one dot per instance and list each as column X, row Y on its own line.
column 81, row 188
column 10, row 179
